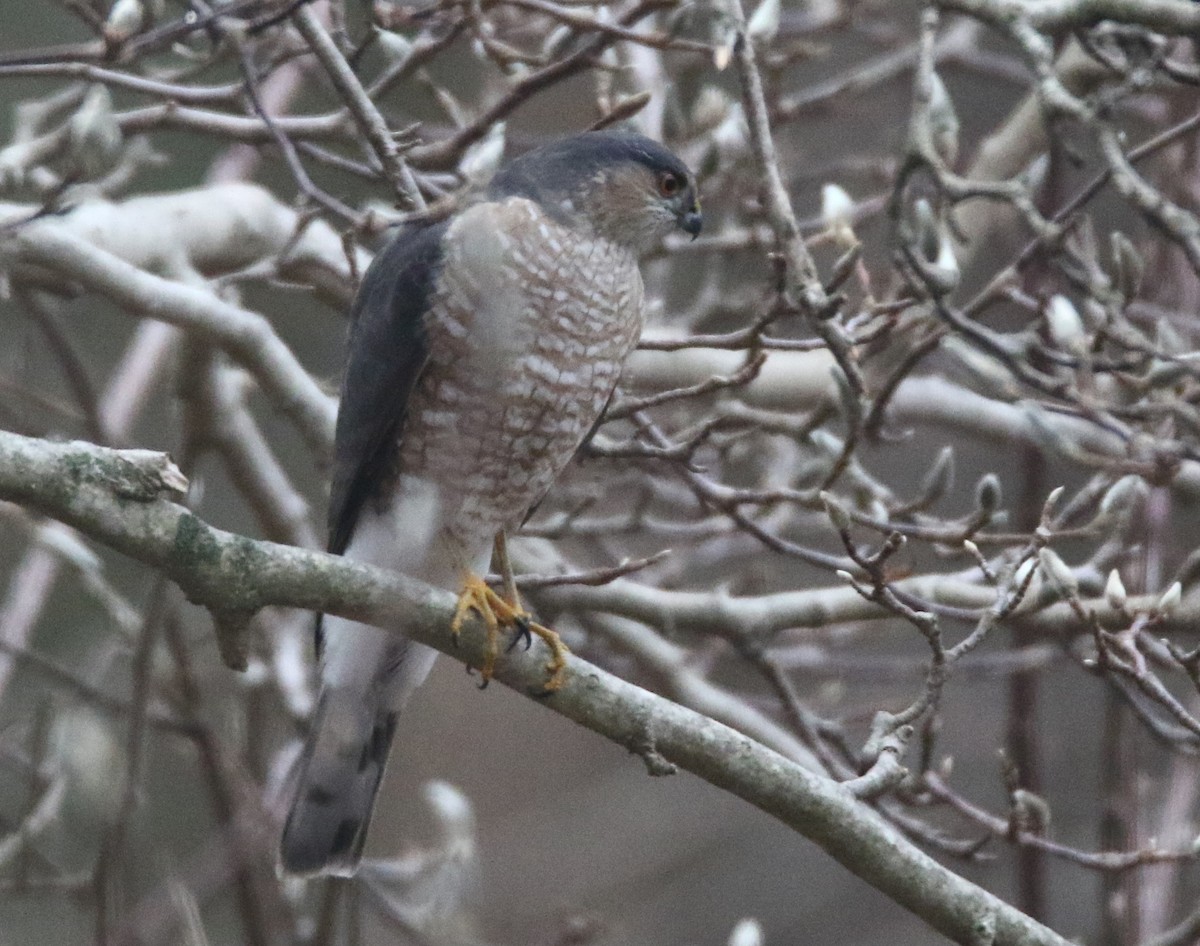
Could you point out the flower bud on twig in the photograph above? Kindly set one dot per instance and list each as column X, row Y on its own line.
column 940, row 477
column 395, row 48
column 1121, row 495
column 988, row 494
column 836, row 511
column 748, row 932
column 1170, row 600
column 1064, row 324
column 1058, row 572
column 1128, row 266
column 764, row 22
column 124, row 20
column 1114, row 591
column 837, row 213
column 943, row 121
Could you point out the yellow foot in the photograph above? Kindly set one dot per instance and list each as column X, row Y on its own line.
column 497, row 613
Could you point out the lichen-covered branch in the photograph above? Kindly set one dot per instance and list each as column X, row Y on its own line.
column 123, row 499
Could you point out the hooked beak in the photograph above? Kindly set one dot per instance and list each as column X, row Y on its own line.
column 691, row 222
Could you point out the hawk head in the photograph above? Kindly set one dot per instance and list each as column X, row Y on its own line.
column 621, row 186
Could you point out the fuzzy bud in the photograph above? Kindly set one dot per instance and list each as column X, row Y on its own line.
column 1032, row 811
column 395, row 48
column 926, row 231
column 764, row 23
column 1058, row 572
column 1128, row 266
column 1122, row 494
column 1034, row 175
column 1064, row 324
column 125, row 18
column 1170, row 600
column 748, row 932
column 710, row 109
column 837, row 213
column 940, row 478
column 836, row 511
column 988, row 494
column 825, row 442
column 731, row 137
column 1023, row 573
column 453, row 814
column 1167, row 339
column 1114, row 591
column 945, row 266
column 93, row 135
column 483, row 158
column 943, row 121
column 722, row 34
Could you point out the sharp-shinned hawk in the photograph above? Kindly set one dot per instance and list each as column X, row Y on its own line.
column 483, row 350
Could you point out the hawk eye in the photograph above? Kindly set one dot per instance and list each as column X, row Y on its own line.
column 669, row 184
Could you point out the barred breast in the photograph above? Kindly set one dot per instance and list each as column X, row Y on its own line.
column 528, row 329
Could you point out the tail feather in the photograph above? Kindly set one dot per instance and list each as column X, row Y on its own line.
column 339, row 777
column 367, row 676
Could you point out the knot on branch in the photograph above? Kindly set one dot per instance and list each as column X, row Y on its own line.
column 642, row 744
column 138, row 475
column 983, row 930
column 232, row 627
column 882, row 754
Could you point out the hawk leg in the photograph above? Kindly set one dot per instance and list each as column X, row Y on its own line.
column 497, row 613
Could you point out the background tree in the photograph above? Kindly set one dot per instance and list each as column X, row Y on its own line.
column 891, row 519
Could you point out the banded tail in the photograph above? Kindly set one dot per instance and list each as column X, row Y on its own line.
column 367, row 676
column 340, row 774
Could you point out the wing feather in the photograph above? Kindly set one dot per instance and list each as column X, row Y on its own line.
column 388, row 349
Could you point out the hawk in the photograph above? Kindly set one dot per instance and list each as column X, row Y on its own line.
column 483, row 350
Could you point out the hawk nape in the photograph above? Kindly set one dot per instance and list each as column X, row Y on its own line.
column 483, row 349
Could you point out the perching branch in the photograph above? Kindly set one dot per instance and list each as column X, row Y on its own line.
column 122, row 499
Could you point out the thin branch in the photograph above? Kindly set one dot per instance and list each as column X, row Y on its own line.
column 247, row 336
column 366, row 115
column 117, row 498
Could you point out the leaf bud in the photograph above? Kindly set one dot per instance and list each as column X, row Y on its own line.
column 1065, row 325
column 836, row 511
column 988, row 494
column 748, row 932
column 1122, row 494
column 1170, row 600
column 1128, row 265
column 940, row 477
column 125, row 18
column 1058, row 572
column 837, row 213
column 1114, row 591
column 395, row 48
column 764, row 22
column 943, row 121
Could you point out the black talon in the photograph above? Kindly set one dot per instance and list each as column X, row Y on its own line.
column 521, row 626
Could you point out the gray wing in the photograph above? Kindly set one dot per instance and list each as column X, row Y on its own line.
column 388, row 350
